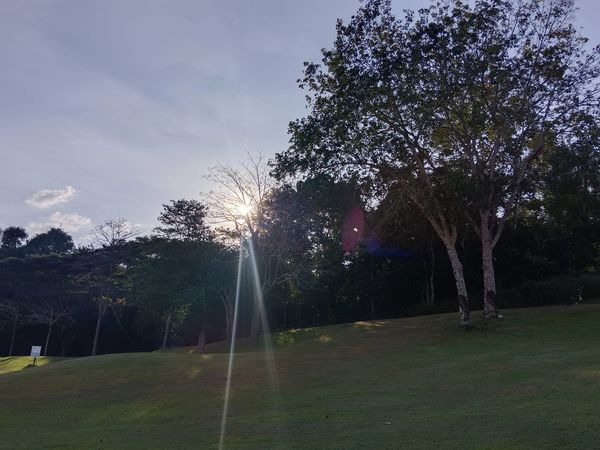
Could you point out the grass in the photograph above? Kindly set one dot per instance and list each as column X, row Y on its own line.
column 531, row 380
column 13, row 363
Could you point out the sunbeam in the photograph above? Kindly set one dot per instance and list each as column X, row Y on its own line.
column 232, row 347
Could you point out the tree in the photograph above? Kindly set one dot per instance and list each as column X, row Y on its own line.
column 184, row 220
column 102, row 276
column 54, row 240
column 114, row 233
column 368, row 121
column 514, row 78
column 452, row 105
column 13, row 237
column 238, row 205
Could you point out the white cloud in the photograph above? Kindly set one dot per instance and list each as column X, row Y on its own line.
column 45, row 198
column 68, row 222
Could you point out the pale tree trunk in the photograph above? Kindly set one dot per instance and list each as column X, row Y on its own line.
column 487, row 258
column 371, row 300
column 101, row 310
column 14, row 332
column 447, row 231
column 430, row 280
column 167, row 329
column 228, row 308
column 461, row 287
column 48, row 335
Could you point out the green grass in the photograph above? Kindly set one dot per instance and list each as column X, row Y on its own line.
column 531, row 380
column 13, row 363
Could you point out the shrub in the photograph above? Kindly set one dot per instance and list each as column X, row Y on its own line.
column 559, row 290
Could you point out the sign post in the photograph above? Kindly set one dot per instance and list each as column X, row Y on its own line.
column 36, row 351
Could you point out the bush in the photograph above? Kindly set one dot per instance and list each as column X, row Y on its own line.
column 559, row 290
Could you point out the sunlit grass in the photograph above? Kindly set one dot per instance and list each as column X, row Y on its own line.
column 13, row 363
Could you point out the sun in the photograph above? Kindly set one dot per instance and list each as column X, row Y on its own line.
column 244, row 209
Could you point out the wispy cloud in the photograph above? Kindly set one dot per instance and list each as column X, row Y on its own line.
column 45, row 198
column 68, row 222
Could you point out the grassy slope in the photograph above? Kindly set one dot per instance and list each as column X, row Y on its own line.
column 529, row 381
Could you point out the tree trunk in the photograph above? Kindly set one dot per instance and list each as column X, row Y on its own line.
column 228, row 322
column 431, row 281
column 98, row 324
column 167, row 328
column 14, row 332
column 371, row 299
column 201, row 347
column 489, row 278
column 228, row 309
column 255, row 324
column 45, row 353
column 461, row 287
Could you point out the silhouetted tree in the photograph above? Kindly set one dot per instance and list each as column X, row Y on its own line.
column 184, row 220
column 13, row 237
column 114, row 233
column 54, row 240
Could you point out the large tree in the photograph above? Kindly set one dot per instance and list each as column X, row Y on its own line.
column 240, row 206
column 184, row 220
column 452, row 105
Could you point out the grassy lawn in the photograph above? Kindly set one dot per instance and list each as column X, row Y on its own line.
column 531, row 380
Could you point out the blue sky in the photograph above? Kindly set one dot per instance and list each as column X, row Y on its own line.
column 111, row 107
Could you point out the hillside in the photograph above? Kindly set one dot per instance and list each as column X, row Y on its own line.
column 531, row 380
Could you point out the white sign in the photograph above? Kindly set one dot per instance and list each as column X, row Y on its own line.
column 36, row 351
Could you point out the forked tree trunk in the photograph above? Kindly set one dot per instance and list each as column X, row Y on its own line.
column 487, row 259
column 45, row 353
column 13, row 334
column 461, row 287
column 167, row 329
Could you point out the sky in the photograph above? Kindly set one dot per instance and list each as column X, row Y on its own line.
column 109, row 108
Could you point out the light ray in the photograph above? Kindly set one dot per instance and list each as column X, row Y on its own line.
column 231, row 349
